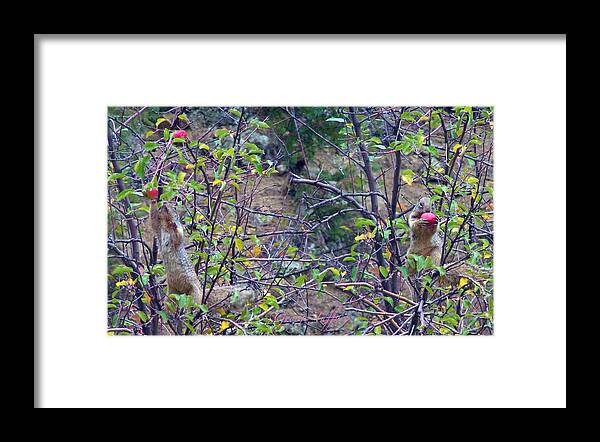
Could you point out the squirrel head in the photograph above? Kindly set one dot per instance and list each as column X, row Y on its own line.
column 422, row 206
column 168, row 216
column 423, row 228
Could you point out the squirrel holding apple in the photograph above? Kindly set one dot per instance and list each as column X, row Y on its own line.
column 424, row 238
column 426, row 241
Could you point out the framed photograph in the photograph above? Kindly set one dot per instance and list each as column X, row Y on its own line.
column 355, row 221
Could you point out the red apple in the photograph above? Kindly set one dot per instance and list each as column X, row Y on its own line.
column 152, row 193
column 429, row 217
column 180, row 134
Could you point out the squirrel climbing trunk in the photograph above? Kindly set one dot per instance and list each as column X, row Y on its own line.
column 181, row 278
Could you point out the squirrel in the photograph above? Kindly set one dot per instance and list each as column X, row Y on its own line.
column 181, row 278
column 426, row 241
column 424, row 237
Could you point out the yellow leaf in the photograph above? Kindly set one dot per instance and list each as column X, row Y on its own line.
column 221, row 311
column 456, row 147
column 463, row 282
column 224, row 326
column 216, row 182
column 408, row 179
column 363, row 236
column 472, row 180
column 424, row 118
column 189, row 166
column 239, row 244
column 256, row 250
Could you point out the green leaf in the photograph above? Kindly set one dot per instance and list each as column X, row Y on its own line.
column 263, row 125
column 271, row 301
column 235, row 112
column 184, row 301
column 120, row 269
column 336, row 120
column 167, row 195
column 158, row 270
column 408, row 176
column 140, row 167
column 220, row 133
column 384, row 271
column 359, row 222
column 124, row 194
column 254, row 149
column 116, row 176
column 404, row 271
column 150, row 146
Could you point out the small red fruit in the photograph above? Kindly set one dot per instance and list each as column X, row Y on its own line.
column 429, row 217
column 152, row 193
column 180, row 134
